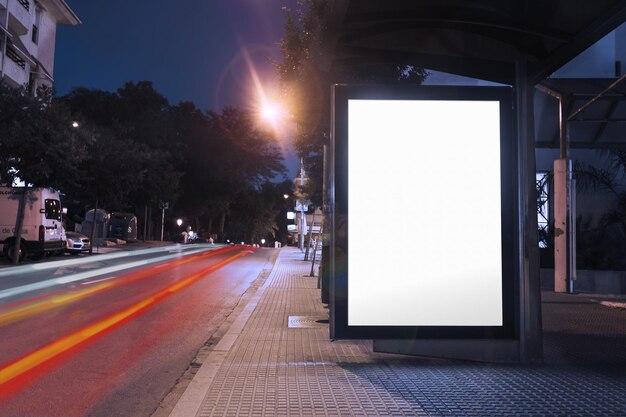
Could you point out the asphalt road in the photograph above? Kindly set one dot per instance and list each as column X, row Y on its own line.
column 84, row 343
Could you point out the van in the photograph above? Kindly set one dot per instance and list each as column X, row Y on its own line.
column 123, row 226
column 42, row 228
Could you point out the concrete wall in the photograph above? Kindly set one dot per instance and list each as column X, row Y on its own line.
column 594, row 282
column 46, row 44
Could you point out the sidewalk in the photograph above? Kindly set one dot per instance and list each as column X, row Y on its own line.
column 276, row 359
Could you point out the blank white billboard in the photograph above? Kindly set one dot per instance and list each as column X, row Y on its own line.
column 424, row 213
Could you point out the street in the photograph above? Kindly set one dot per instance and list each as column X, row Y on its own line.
column 111, row 336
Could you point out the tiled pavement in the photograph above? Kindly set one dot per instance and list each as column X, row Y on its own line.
column 271, row 369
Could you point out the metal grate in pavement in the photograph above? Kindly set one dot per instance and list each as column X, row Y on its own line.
column 307, row 322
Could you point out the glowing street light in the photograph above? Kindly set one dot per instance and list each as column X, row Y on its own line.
column 75, row 124
column 270, row 112
column 179, row 222
column 273, row 114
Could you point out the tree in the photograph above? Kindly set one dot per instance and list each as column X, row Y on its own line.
column 307, row 75
column 38, row 144
column 259, row 213
column 226, row 154
column 37, row 141
column 134, row 160
column 601, row 241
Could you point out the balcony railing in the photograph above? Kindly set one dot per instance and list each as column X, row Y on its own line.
column 15, row 57
column 25, row 3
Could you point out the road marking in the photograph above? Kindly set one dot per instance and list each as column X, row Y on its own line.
column 18, row 270
column 98, row 280
column 40, row 356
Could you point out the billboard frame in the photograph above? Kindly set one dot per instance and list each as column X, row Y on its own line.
column 339, row 274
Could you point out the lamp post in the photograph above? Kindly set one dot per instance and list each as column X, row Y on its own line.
column 271, row 113
column 163, row 205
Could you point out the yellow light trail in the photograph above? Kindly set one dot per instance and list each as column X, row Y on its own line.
column 46, row 353
column 38, row 307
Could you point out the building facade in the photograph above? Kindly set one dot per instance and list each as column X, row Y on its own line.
column 27, row 39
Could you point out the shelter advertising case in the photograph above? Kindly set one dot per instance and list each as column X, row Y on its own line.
column 437, row 166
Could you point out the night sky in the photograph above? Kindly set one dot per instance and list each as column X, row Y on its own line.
column 192, row 50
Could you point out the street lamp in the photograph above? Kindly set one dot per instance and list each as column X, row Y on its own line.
column 263, row 242
column 179, row 222
column 75, row 124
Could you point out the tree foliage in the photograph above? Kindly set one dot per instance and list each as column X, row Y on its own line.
column 131, row 162
column 601, row 241
column 307, row 72
column 37, row 141
column 133, row 149
column 259, row 213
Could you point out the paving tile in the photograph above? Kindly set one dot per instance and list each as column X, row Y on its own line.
column 274, row 370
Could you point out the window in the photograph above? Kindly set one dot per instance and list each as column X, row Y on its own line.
column 53, row 209
column 35, row 35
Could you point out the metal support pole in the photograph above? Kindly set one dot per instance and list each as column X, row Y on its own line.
column 572, row 235
column 530, row 336
column 302, row 229
column 162, row 222
column 308, row 245
column 312, row 274
column 145, row 221
column 564, row 227
column 93, row 226
column 302, row 219
column 596, row 98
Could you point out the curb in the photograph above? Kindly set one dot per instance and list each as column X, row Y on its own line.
column 190, row 402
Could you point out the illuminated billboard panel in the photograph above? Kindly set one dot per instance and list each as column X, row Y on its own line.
column 435, row 167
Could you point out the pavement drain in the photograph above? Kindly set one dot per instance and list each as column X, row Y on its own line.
column 307, row 322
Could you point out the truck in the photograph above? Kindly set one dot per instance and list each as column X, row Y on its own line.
column 42, row 227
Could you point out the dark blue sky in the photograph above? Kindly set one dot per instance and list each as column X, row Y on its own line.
column 190, row 49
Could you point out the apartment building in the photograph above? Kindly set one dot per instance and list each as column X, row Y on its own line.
column 27, row 39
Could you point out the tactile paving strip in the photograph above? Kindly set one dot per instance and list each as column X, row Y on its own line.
column 274, row 370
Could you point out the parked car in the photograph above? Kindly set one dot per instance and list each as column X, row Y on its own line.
column 77, row 242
